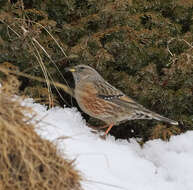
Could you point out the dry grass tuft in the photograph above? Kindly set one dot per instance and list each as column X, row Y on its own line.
column 10, row 82
column 163, row 132
column 26, row 160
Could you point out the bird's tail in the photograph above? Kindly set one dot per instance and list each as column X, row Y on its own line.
column 147, row 114
column 162, row 118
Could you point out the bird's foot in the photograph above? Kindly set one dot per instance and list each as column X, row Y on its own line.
column 103, row 137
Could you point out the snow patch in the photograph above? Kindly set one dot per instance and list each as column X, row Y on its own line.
column 109, row 164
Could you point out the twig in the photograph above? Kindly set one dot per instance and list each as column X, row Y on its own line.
column 67, row 89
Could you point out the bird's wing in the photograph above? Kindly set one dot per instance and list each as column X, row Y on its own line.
column 110, row 93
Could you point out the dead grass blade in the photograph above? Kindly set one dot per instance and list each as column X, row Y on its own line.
column 26, row 160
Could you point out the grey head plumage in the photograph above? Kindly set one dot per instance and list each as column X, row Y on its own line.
column 84, row 72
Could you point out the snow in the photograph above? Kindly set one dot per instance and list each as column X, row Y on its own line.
column 111, row 164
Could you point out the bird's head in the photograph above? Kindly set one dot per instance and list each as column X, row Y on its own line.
column 83, row 72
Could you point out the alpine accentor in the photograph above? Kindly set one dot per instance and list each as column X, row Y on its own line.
column 99, row 99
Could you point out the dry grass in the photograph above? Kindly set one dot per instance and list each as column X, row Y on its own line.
column 164, row 132
column 26, row 160
column 11, row 83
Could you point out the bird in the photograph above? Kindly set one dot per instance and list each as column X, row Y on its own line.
column 99, row 99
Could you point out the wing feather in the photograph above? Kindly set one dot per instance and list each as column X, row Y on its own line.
column 109, row 93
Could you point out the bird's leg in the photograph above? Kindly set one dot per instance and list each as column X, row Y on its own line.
column 109, row 128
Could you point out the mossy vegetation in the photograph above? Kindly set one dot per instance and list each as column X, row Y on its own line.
column 144, row 48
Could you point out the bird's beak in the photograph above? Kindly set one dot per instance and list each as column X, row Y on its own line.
column 71, row 69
